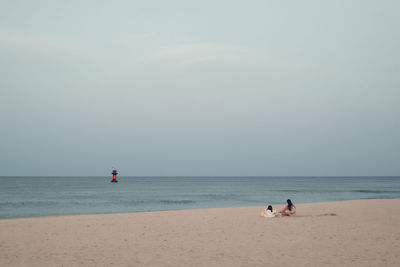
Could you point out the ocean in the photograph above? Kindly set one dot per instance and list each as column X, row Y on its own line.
column 45, row 196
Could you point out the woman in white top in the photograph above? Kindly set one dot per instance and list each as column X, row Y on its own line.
column 269, row 212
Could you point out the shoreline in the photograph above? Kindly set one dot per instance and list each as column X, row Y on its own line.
column 361, row 233
column 172, row 210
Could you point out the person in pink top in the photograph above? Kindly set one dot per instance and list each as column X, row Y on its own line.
column 289, row 209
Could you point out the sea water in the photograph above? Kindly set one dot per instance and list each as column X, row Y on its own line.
column 44, row 196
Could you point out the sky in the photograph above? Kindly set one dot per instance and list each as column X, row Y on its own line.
column 200, row 88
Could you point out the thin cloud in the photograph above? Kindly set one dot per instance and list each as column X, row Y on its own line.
column 190, row 54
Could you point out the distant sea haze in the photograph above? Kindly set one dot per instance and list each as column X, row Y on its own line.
column 44, row 196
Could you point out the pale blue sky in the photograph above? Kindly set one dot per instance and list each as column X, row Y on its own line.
column 199, row 87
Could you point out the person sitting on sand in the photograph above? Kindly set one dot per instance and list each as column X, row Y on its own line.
column 289, row 209
column 269, row 212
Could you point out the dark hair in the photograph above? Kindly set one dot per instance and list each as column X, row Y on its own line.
column 269, row 208
column 289, row 204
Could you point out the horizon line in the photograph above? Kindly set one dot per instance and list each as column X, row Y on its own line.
column 199, row 176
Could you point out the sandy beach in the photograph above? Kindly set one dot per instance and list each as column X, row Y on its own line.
column 348, row 233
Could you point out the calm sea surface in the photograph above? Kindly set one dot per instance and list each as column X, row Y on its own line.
column 43, row 196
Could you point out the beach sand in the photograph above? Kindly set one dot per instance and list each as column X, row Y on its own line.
column 348, row 233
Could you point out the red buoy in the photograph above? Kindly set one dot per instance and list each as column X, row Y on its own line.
column 114, row 176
